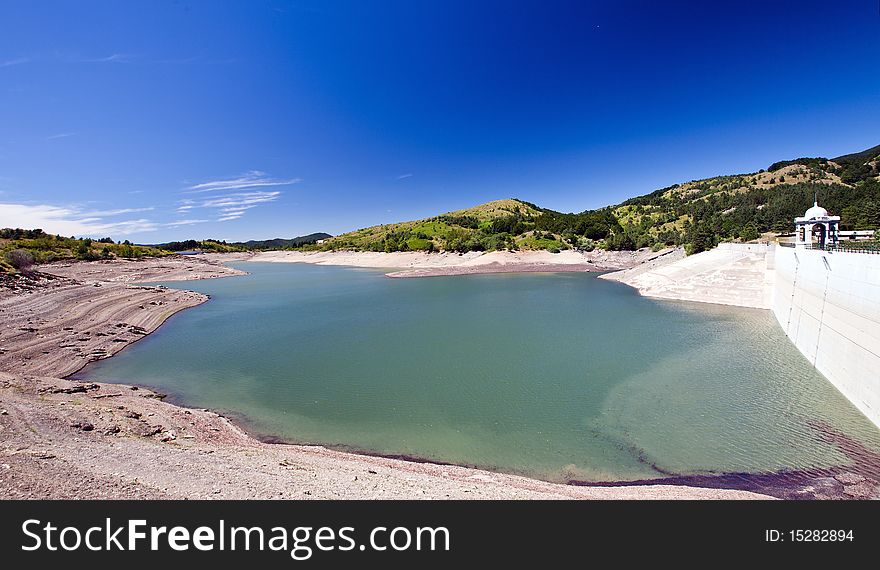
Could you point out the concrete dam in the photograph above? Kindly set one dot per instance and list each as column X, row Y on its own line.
column 827, row 302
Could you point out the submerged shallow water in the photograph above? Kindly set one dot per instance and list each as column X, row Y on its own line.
column 559, row 376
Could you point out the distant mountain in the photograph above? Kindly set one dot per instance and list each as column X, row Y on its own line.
column 204, row 245
column 221, row 246
column 281, row 243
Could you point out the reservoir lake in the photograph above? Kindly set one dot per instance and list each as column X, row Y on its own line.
column 560, row 376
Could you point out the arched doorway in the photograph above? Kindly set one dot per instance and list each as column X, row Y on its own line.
column 819, row 234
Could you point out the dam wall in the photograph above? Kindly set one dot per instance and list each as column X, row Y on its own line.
column 828, row 304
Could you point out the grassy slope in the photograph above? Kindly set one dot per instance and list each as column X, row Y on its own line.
column 439, row 232
column 738, row 206
column 46, row 248
column 697, row 214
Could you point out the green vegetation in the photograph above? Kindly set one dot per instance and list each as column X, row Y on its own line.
column 281, row 243
column 206, row 246
column 702, row 213
column 697, row 215
column 221, row 246
column 500, row 225
column 21, row 249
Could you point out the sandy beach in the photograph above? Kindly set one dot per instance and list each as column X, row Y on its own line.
column 66, row 439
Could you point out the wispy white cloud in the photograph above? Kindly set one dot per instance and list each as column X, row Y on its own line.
column 232, row 197
column 71, row 220
column 238, row 199
column 252, row 179
column 11, row 62
column 233, row 206
column 184, row 223
column 111, row 213
column 112, row 58
column 402, row 176
column 59, row 136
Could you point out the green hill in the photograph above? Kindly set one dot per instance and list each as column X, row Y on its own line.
column 697, row 214
column 204, row 245
column 21, row 249
column 221, row 246
column 502, row 224
column 701, row 213
column 282, row 243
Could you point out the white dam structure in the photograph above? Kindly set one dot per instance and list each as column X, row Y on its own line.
column 828, row 304
column 826, row 301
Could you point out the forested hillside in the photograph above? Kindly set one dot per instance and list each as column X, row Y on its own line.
column 696, row 214
column 699, row 214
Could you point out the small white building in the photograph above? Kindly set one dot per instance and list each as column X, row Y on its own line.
column 817, row 225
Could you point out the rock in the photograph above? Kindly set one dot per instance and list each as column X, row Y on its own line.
column 850, row 478
column 84, row 426
column 111, row 430
column 149, row 431
column 825, row 487
column 863, row 490
column 4, row 413
column 75, row 389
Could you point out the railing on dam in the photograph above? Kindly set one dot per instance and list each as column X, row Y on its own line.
column 844, row 247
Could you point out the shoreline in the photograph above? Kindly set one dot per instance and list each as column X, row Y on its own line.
column 420, row 264
column 50, row 420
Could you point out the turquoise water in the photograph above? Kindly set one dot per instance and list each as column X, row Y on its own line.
column 557, row 376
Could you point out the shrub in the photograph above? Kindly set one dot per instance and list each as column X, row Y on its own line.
column 20, row 259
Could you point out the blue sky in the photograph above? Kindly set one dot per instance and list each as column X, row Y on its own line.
column 159, row 120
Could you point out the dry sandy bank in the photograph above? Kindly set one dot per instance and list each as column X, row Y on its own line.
column 419, row 264
column 731, row 274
